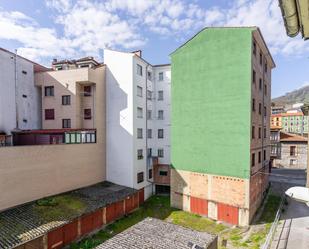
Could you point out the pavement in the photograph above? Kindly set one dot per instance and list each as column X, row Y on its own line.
column 293, row 229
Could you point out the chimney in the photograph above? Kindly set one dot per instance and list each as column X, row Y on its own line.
column 138, row 53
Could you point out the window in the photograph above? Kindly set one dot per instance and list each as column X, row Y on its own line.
column 149, row 133
column 24, row 72
column 162, row 173
column 49, row 91
column 160, row 95
column 149, row 95
column 265, row 112
column 160, row 115
column 25, row 120
column 253, row 132
column 265, row 132
column 260, row 108
column 264, row 155
column 140, row 177
column 150, row 173
column 149, row 114
column 66, row 123
column 260, row 132
column 139, row 133
column 149, row 152
column 253, row 105
column 24, row 96
column 260, row 84
column 161, row 76
column 139, row 70
column 160, row 153
column 139, row 91
column 80, row 137
column 87, row 91
column 87, row 113
column 259, row 157
column 140, row 154
column 292, row 150
column 49, row 114
column 254, row 48
column 66, row 100
column 293, row 161
column 265, row 67
column 139, row 112
column 253, row 159
column 261, row 58
column 253, row 76
column 149, row 75
column 265, row 89
column 160, row 133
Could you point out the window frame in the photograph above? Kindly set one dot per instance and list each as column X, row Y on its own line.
column 49, row 116
column 49, row 91
column 69, row 122
column 66, row 97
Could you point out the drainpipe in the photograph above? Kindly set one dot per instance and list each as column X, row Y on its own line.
column 16, row 94
column 146, row 137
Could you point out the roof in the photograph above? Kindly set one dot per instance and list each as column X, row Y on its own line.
column 37, row 67
column 244, row 27
column 30, row 221
column 154, row 233
column 66, row 61
column 288, row 137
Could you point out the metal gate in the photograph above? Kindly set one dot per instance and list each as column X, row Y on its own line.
column 227, row 213
column 198, row 205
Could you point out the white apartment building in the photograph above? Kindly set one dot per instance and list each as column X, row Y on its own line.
column 19, row 97
column 138, row 119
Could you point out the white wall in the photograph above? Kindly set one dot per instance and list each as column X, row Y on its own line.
column 164, row 105
column 119, row 117
column 28, row 106
column 122, row 121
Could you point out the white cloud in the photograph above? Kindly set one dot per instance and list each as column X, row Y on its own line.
column 88, row 26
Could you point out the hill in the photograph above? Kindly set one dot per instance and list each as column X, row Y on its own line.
column 300, row 95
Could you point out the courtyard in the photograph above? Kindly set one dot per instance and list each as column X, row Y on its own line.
column 159, row 207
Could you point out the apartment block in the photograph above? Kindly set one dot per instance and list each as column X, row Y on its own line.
column 19, row 97
column 219, row 169
column 68, row 94
column 138, row 121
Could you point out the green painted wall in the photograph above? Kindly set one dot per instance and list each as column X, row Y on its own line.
column 211, row 100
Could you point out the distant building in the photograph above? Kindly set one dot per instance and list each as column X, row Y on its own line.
column 275, row 146
column 276, row 121
column 277, row 109
column 294, row 122
column 293, row 152
column 19, row 97
column 219, row 169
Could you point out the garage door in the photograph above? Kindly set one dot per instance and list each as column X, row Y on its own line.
column 227, row 213
column 198, row 206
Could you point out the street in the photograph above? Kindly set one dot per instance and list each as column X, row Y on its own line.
column 293, row 230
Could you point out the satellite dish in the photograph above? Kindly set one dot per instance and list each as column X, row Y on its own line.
column 300, row 194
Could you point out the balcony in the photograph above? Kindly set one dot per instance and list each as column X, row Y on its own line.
column 55, row 136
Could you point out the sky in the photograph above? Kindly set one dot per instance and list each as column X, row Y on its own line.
column 41, row 30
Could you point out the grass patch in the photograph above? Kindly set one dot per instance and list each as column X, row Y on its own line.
column 59, row 207
column 196, row 222
column 270, row 209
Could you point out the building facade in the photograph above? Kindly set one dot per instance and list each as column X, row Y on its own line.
column 19, row 97
column 294, row 122
column 219, row 170
column 293, row 152
column 68, row 94
column 138, row 123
